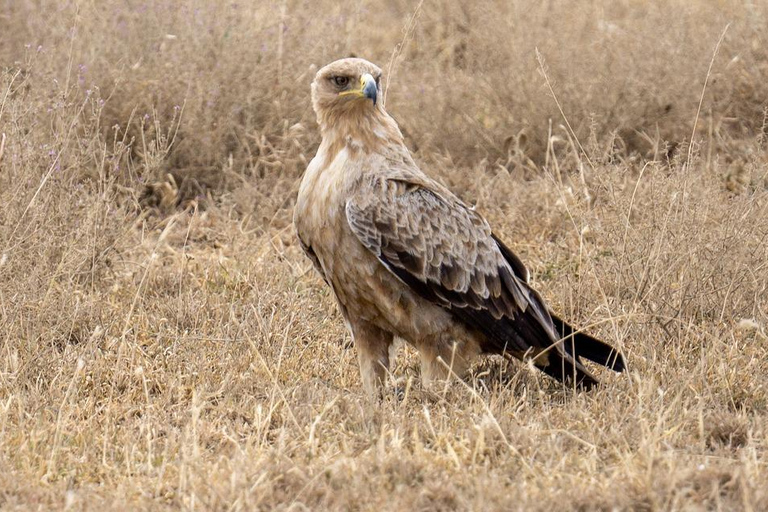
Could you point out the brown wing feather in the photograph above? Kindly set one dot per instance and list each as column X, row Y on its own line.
column 446, row 252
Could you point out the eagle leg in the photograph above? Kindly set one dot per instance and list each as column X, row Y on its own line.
column 373, row 353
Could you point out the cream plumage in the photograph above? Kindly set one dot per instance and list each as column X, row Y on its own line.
column 405, row 257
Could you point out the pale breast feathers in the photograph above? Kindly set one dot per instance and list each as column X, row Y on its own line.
column 445, row 252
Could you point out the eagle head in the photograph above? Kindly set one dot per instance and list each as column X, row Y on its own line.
column 346, row 87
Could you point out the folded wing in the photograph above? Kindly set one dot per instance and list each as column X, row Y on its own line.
column 447, row 253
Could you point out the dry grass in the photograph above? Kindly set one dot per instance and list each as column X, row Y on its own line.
column 165, row 344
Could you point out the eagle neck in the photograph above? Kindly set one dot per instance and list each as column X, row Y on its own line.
column 359, row 132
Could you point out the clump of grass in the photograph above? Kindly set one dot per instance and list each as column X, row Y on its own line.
column 166, row 345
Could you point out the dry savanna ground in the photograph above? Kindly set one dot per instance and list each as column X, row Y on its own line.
column 165, row 345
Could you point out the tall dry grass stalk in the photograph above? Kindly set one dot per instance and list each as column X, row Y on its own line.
column 165, row 345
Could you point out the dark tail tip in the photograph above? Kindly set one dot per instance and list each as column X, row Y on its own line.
column 583, row 345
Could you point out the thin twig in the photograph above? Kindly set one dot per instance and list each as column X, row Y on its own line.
column 70, row 59
column 2, row 148
column 407, row 33
column 543, row 69
column 8, row 92
column 701, row 99
column 280, row 41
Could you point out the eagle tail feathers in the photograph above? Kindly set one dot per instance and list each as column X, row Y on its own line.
column 588, row 347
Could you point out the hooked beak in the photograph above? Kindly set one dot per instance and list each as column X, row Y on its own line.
column 368, row 87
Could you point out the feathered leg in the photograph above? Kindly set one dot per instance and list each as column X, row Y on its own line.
column 373, row 346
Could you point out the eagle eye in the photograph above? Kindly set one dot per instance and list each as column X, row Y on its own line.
column 340, row 81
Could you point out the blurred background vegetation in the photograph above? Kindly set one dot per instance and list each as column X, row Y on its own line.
column 165, row 344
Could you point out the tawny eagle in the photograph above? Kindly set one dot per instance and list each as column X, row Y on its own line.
column 405, row 257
